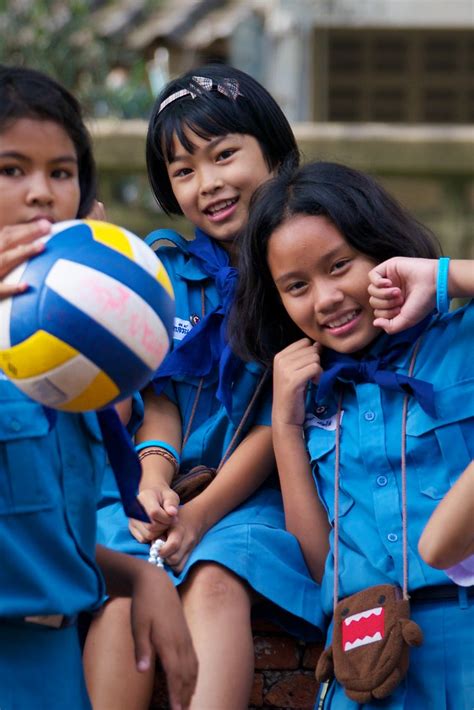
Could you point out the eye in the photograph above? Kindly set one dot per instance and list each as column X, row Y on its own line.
column 10, row 171
column 226, row 153
column 340, row 264
column 381, row 599
column 296, row 287
column 62, row 173
column 181, row 172
column 345, row 611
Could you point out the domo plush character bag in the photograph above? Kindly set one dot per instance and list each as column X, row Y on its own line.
column 372, row 630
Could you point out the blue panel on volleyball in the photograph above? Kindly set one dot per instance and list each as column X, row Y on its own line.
column 94, row 342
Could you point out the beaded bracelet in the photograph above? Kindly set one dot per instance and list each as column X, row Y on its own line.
column 159, row 451
column 161, row 445
column 442, row 298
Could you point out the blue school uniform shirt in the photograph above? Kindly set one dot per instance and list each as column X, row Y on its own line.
column 49, row 483
column 212, row 428
column 438, row 450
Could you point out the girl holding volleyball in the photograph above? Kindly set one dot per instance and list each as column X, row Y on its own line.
column 51, row 464
column 214, row 136
column 370, row 428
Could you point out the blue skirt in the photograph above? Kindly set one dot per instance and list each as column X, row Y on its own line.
column 441, row 671
column 252, row 542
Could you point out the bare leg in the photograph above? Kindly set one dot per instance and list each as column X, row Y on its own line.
column 217, row 606
column 109, row 662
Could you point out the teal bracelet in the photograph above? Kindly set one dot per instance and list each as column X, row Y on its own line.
column 162, row 445
column 442, row 298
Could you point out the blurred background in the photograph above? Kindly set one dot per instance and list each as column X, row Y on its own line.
column 386, row 86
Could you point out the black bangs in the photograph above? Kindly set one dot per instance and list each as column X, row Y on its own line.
column 205, row 116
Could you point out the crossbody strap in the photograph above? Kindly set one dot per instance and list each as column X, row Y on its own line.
column 404, row 488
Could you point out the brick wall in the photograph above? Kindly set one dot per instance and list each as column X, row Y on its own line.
column 284, row 672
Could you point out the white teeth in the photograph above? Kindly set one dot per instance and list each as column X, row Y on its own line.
column 343, row 320
column 363, row 642
column 363, row 615
column 220, row 206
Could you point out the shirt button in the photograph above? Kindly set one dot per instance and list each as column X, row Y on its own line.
column 382, row 480
column 392, row 537
column 321, row 409
column 369, row 416
column 15, row 425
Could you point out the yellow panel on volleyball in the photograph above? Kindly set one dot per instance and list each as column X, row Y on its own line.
column 36, row 355
column 111, row 236
column 163, row 278
column 100, row 391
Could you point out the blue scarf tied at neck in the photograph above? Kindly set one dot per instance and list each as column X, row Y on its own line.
column 375, row 368
column 205, row 346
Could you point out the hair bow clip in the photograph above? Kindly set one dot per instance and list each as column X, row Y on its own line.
column 226, row 87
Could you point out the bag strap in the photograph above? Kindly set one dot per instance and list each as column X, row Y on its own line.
column 245, row 415
column 404, row 488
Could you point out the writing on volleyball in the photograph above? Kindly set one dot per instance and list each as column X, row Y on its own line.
column 131, row 316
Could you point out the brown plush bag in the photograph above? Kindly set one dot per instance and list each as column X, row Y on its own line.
column 369, row 654
column 191, row 484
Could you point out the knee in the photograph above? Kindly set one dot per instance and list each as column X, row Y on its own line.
column 215, row 587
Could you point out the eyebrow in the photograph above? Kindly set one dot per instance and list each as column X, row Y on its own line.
column 20, row 156
column 211, row 144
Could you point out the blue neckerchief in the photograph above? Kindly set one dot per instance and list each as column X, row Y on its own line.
column 122, row 456
column 124, row 462
column 375, row 368
column 205, row 346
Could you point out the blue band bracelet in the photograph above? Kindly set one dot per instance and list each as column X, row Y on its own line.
column 161, row 444
column 442, row 298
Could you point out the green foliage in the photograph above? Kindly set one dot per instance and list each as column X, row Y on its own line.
column 60, row 38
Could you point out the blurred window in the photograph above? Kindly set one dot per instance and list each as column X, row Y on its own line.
column 399, row 76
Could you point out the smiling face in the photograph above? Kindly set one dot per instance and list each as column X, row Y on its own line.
column 214, row 184
column 38, row 173
column 322, row 282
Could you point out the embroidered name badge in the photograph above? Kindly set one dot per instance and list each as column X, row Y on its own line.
column 327, row 423
column 181, row 328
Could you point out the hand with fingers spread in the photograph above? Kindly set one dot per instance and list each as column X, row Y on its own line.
column 161, row 505
column 293, row 368
column 402, row 292
column 18, row 243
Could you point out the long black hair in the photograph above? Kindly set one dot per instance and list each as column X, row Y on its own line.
column 234, row 103
column 364, row 213
column 27, row 93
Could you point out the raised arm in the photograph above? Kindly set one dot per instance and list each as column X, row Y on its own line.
column 305, row 516
column 403, row 290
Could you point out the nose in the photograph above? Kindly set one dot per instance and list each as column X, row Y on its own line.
column 209, row 180
column 327, row 295
column 39, row 190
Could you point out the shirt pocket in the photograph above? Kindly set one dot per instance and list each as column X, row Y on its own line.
column 440, row 449
column 27, row 463
column 321, row 446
